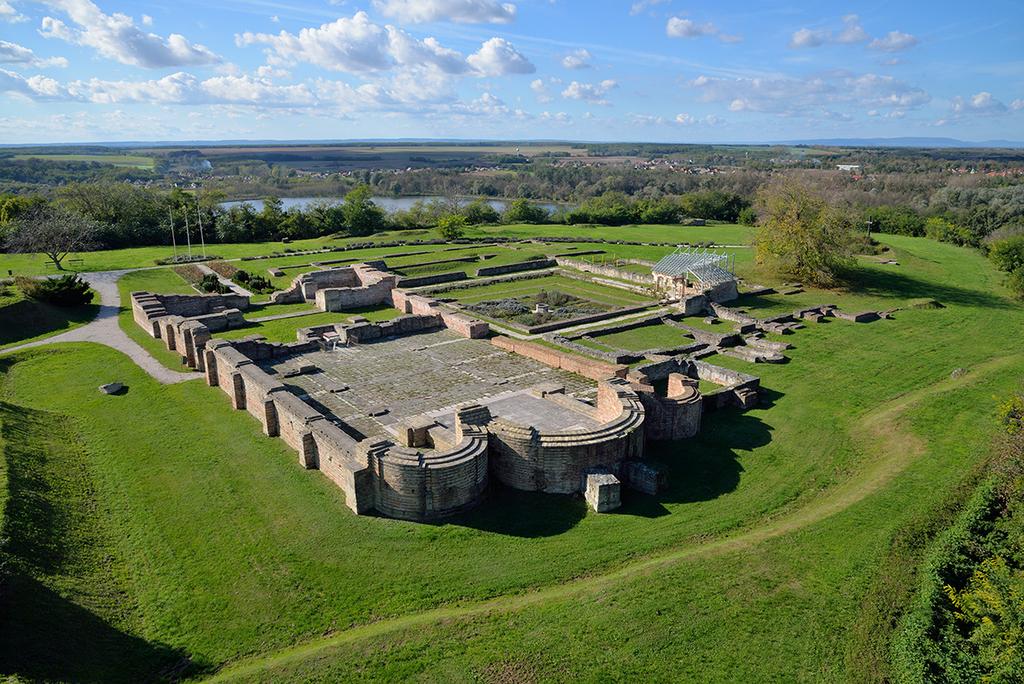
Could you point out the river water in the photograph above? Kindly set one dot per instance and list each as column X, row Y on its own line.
column 386, row 203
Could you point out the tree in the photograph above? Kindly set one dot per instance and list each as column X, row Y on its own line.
column 801, row 236
column 54, row 232
column 362, row 216
column 451, row 226
column 478, row 211
column 896, row 220
column 521, row 211
column 1008, row 254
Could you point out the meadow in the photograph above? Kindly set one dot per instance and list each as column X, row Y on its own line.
column 182, row 540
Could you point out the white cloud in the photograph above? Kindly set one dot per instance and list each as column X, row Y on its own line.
column 577, row 59
column 594, row 93
column 687, row 28
column 982, row 104
column 147, row 20
column 805, row 38
column 460, row 11
column 852, row 32
column 812, row 96
column 540, row 90
column 359, row 46
column 116, row 37
column 12, row 53
column 677, row 27
column 641, row 5
column 497, row 57
column 1017, row 105
column 555, row 117
column 185, row 89
column 894, row 41
column 34, row 87
column 9, row 14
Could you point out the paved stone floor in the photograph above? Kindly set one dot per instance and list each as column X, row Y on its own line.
column 373, row 386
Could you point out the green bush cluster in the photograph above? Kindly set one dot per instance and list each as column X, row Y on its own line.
column 967, row 620
column 67, row 290
column 252, row 282
column 1008, row 255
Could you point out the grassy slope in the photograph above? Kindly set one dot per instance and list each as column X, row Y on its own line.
column 236, row 558
column 26, row 320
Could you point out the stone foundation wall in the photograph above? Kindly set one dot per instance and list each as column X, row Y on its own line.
column 531, row 265
column 646, row 279
column 217, row 312
column 556, row 462
column 588, row 368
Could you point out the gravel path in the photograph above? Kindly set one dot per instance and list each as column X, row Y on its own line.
column 104, row 330
column 234, row 287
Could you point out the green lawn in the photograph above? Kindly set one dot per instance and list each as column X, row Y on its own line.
column 26, row 320
column 759, row 563
column 602, row 294
column 160, row 280
column 646, row 337
column 284, row 329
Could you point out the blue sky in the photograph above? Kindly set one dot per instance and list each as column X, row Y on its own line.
column 657, row 70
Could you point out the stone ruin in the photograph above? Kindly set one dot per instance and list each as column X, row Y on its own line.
column 414, row 417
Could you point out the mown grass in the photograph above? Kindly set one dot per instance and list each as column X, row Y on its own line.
column 602, row 294
column 284, row 329
column 164, row 281
column 26, row 320
column 652, row 336
column 230, row 549
column 137, row 257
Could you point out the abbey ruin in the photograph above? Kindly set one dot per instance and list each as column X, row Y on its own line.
column 413, row 417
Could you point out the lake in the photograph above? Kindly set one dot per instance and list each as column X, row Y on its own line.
column 386, row 203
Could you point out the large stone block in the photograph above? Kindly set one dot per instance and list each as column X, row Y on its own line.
column 603, row 492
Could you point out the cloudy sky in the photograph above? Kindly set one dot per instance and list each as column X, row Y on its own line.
column 659, row 70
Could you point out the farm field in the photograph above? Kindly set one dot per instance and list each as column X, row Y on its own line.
column 249, row 567
column 134, row 161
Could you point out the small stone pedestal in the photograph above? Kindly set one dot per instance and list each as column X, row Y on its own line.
column 602, row 492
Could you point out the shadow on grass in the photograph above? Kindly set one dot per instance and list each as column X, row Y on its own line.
column 26, row 319
column 56, row 562
column 887, row 284
column 705, row 467
column 523, row 514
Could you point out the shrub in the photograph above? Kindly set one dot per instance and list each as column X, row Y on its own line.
column 211, row 283
column 941, row 229
column 747, row 217
column 68, row 290
column 1008, row 254
column 451, row 226
column 897, row 220
column 254, row 283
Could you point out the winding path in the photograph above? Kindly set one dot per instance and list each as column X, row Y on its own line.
column 104, row 329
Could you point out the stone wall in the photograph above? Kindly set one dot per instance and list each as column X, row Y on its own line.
column 646, row 279
column 436, row 279
column 217, row 312
column 530, row 265
column 675, row 416
column 526, row 458
column 455, row 321
column 588, row 368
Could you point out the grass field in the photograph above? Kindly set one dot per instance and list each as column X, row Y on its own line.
column 26, row 320
column 284, row 329
column 646, row 337
column 217, row 547
column 164, row 281
column 137, row 257
column 127, row 160
column 601, row 294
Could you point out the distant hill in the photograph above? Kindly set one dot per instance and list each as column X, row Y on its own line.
column 905, row 142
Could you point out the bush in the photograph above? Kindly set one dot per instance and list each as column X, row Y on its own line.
column 68, row 290
column 1008, row 254
column 895, row 220
column 747, row 217
column 941, row 229
column 210, row 283
column 252, row 282
column 451, row 226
